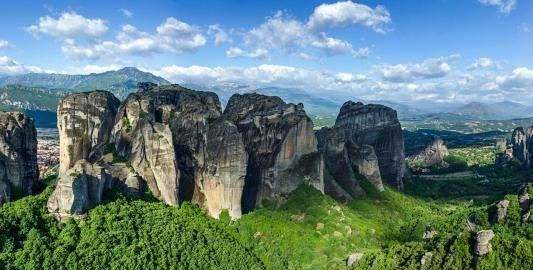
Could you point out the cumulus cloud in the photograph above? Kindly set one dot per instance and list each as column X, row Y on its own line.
column 347, row 12
column 4, row 44
column 219, row 35
column 9, row 66
column 171, row 36
column 126, row 13
column 289, row 35
column 483, row 62
column 520, row 79
column 505, row 6
column 68, row 25
column 235, row 52
column 428, row 69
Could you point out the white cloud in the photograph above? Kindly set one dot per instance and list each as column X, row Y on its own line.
column 235, row 52
column 126, row 13
column 4, row 44
column 219, row 35
column 505, row 6
column 347, row 12
column 483, row 62
column 68, row 25
column 171, row 36
column 289, row 35
column 9, row 66
column 521, row 80
column 429, row 69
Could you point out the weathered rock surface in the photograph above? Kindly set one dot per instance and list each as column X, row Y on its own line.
column 18, row 155
column 501, row 211
column 78, row 189
column 433, row 155
column 85, row 121
column 281, row 147
column 177, row 143
column 482, row 244
column 367, row 138
column 522, row 141
column 525, row 203
column 353, row 259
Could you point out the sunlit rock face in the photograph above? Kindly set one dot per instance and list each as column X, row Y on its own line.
column 365, row 142
column 18, row 155
column 176, row 143
column 85, row 121
column 281, row 147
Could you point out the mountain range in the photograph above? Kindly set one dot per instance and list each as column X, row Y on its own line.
column 38, row 92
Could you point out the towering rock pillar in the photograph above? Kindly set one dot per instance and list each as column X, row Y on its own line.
column 85, row 121
column 366, row 141
column 18, row 155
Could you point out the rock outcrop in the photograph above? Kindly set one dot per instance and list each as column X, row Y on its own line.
column 177, row 143
column 366, row 141
column 501, row 211
column 482, row 244
column 433, row 154
column 85, row 121
column 525, row 203
column 282, row 149
column 18, row 155
column 522, row 141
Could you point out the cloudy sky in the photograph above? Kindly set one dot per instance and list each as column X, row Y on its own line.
column 411, row 50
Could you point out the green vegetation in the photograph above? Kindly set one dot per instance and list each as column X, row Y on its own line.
column 309, row 231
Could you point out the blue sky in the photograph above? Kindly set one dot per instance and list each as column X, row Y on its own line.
column 409, row 50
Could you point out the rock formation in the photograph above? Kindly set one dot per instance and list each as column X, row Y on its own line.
column 282, row 149
column 525, row 203
column 367, row 138
column 433, row 154
column 18, row 155
column 85, row 121
column 177, row 143
column 522, row 141
column 501, row 211
column 482, row 244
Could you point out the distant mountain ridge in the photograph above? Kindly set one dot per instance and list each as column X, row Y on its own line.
column 120, row 82
column 495, row 111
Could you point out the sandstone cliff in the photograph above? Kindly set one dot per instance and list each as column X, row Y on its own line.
column 366, row 141
column 18, row 155
column 177, row 143
column 85, row 121
column 522, row 141
column 282, row 149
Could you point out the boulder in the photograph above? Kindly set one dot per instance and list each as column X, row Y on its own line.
column 18, row 155
column 501, row 211
column 482, row 244
column 353, row 259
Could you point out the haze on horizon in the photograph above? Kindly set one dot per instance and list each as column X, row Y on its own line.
column 442, row 51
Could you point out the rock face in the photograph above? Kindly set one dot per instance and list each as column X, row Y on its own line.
column 177, row 143
column 525, row 203
column 482, row 242
column 85, row 121
column 433, row 155
column 281, row 146
column 367, row 138
column 501, row 211
column 18, row 155
column 522, row 142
